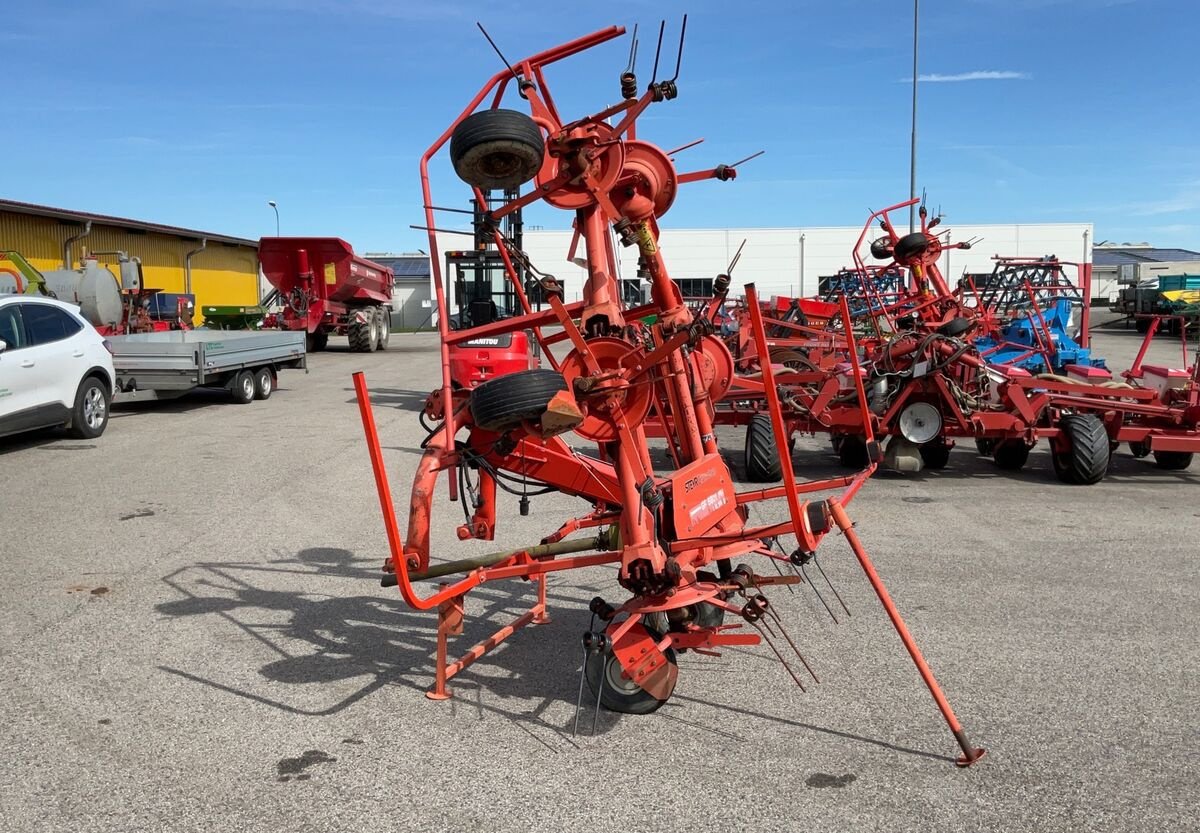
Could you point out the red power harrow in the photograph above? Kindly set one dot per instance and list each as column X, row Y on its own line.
column 672, row 537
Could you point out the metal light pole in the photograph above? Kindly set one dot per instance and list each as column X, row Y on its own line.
column 274, row 206
column 912, row 174
column 801, row 292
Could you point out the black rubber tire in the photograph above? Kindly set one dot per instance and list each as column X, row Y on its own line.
column 935, row 454
column 1085, row 461
column 791, row 359
column 954, row 327
column 507, row 401
column 1139, row 449
column 910, row 245
column 852, row 451
column 497, row 149
column 316, row 342
column 761, row 457
column 89, row 416
column 1011, row 455
column 881, row 248
column 985, row 447
column 633, row 699
column 264, row 383
column 242, row 388
column 1173, row 460
column 362, row 335
column 383, row 326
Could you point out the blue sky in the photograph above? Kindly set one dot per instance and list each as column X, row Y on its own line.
column 197, row 113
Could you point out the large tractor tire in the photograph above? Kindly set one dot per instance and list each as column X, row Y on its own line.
column 762, row 457
column 363, row 335
column 1085, row 460
column 507, row 401
column 497, row 149
column 383, row 327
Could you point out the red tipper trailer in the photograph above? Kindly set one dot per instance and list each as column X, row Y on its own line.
column 325, row 288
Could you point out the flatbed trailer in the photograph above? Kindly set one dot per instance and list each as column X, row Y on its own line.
column 167, row 365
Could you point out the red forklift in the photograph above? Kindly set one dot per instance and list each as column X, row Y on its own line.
column 481, row 293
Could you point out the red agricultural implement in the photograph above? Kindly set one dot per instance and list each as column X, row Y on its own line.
column 672, row 540
column 326, row 289
column 928, row 384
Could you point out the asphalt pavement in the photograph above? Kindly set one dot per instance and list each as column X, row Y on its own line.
column 194, row 638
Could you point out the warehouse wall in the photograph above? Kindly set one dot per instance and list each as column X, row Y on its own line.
column 772, row 257
column 221, row 274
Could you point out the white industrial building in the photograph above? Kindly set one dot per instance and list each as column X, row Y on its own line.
column 790, row 261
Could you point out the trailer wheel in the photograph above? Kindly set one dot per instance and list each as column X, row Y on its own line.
column 315, row 342
column 362, row 334
column 761, row 457
column 497, row 149
column 264, row 383
column 1173, row 460
column 385, row 327
column 935, row 454
column 984, row 446
column 243, row 388
column 1011, row 455
column 1085, row 460
column 507, row 401
column 852, row 451
column 619, row 694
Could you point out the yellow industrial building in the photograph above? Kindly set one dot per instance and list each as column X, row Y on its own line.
column 217, row 268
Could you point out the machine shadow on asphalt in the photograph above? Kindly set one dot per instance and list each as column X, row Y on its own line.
column 404, row 400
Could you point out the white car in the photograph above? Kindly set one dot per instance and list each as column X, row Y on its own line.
column 55, row 369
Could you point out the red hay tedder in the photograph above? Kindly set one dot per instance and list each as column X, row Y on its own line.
column 927, row 383
column 672, row 538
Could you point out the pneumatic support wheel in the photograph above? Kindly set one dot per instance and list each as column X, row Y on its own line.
column 507, row 401
column 1011, row 455
column 935, row 454
column 761, row 457
column 618, row 694
column 1173, row 460
column 1084, row 460
column 852, row 451
column 497, row 149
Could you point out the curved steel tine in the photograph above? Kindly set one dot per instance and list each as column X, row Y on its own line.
column 837, row 595
column 779, row 624
column 819, row 596
column 658, row 49
column 579, row 697
column 679, row 57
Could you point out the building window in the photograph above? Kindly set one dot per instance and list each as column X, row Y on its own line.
column 695, row 287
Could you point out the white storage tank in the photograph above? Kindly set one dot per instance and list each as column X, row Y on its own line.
column 92, row 287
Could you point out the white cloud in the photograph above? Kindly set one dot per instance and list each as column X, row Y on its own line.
column 976, row 75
